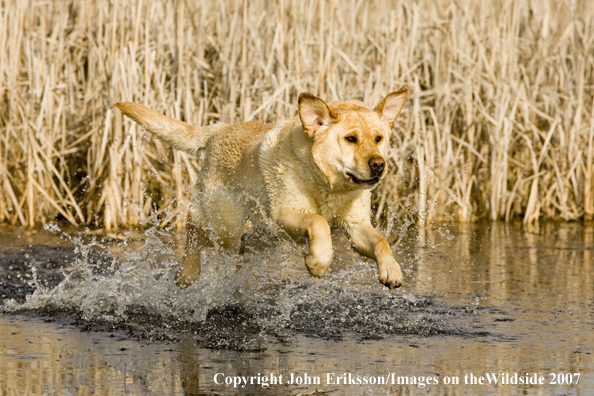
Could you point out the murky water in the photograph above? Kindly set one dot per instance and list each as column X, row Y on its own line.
column 83, row 315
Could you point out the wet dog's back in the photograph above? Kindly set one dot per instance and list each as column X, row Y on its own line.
column 232, row 159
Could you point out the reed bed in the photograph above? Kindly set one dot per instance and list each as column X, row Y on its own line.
column 500, row 123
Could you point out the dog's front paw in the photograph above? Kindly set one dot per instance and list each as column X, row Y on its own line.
column 390, row 274
column 316, row 266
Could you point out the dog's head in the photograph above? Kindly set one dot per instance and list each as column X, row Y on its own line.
column 349, row 139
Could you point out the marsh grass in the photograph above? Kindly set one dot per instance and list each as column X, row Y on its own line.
column 500, row 123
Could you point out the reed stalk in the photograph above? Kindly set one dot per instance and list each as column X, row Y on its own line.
column 500, row 124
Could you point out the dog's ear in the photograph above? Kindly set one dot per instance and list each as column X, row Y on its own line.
column 314, row 113
column 390, row 107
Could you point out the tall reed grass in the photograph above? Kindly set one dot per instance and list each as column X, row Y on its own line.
column 500, row 124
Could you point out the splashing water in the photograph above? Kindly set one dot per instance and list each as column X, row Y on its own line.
column 238, row 302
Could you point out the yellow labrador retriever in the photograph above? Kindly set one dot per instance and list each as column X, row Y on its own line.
column 307, row 174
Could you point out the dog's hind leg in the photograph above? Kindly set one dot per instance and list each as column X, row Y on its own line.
column 218, row 221
column 196, row 240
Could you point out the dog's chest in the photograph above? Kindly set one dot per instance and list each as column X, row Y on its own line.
column 336, row 208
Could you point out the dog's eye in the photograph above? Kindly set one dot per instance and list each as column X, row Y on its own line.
column 351, row 139
column 378, row 139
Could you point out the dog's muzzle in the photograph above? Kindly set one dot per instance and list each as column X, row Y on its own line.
column 366, row 182
column 376, row 166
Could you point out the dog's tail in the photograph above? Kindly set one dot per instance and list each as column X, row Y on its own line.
column 178, row 134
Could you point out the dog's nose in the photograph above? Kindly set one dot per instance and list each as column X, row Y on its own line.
column 376, row 165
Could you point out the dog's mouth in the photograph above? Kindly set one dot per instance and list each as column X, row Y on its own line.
column 367, row 182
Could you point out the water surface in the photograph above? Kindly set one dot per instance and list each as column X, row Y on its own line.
column 102, row 316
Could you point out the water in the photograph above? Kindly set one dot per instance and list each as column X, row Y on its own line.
column 92, row 315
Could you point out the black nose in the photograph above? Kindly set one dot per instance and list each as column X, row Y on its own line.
column 376, row 165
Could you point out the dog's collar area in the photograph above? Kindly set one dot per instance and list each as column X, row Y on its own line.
column 368, row 182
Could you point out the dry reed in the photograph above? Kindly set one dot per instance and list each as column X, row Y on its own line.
column 500, row 123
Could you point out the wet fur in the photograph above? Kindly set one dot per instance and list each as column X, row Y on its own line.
column 307, row 174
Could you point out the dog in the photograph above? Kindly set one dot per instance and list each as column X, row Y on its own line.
column 307, row 174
